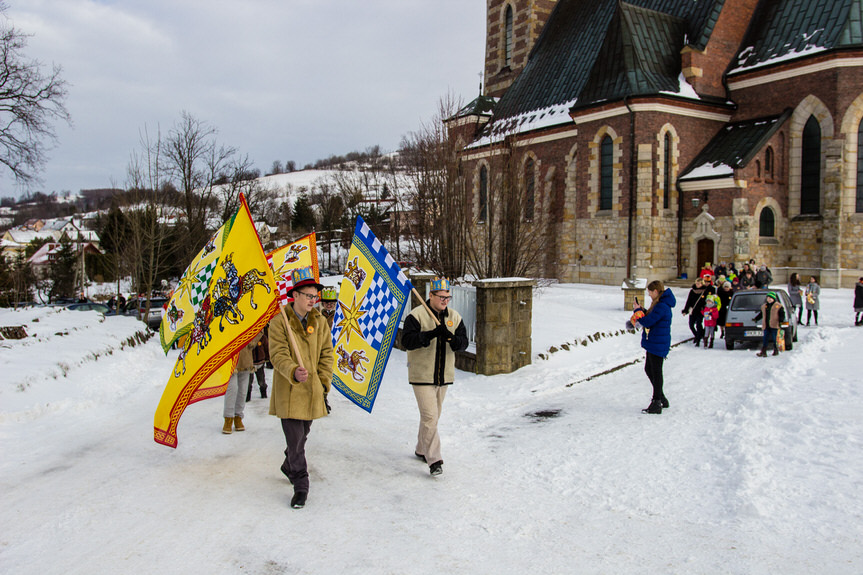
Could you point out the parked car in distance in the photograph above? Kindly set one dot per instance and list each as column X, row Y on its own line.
column 137, row 307
column 740, row 324
column 90, row 306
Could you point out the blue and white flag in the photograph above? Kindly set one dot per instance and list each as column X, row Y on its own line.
column 371, row 299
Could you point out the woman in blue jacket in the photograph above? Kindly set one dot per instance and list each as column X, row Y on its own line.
column 656, row 339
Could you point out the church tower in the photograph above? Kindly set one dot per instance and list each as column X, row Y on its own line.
column 512, row 28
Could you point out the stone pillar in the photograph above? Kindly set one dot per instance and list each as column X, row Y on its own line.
column 831, row 247
column 420, row 281
column 503, row 324
column 633, row 289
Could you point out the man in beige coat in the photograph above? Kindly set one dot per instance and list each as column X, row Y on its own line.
column 298, row 392
column 431, row 365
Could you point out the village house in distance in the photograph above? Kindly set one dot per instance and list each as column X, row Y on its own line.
column 651, row 136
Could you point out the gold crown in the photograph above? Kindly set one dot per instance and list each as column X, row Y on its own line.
column 440, row 284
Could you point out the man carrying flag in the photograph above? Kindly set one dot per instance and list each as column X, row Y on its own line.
column 301, row 351
column 432, row 340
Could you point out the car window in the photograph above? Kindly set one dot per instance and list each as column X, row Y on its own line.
column 747, row 301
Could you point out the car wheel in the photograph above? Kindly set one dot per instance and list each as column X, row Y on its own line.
column 729, row 343
column 789, row 340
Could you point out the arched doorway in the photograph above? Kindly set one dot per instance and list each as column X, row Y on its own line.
column 706, row 248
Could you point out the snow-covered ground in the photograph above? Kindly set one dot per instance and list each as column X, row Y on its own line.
column 756, row 467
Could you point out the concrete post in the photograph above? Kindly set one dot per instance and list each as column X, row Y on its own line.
column 503, row 324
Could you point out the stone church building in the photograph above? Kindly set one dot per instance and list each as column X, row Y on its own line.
column 651, row 136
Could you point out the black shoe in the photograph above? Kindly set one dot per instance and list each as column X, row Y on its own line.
column 762, row 353
column 664, row 402
column 263, row 393
column 711, row 343
column 436, row 468
column 423, row 457
column 775, row 351
column 697, row 343
column 298, row 501
column 654, row 407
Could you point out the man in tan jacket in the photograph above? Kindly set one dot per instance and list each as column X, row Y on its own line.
column 298, row 392
column 431, row 365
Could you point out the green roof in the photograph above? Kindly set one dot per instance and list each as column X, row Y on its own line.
column 733, row 147
column 572, row 53
column 785, row 30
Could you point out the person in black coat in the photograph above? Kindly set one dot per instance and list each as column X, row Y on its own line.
column 694, row 306
column 858, row 302
column 724, row 292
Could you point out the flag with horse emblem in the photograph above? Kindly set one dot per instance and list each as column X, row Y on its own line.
column 303, row 253
column 226, row 296
column 372, row 297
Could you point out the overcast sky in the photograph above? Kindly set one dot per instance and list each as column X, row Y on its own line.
column 280, row 79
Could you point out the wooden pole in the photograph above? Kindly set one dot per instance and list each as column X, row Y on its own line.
column 293, row 339
column 423, row 302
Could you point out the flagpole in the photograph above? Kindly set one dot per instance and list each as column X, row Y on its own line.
column 293, row 339
column 422, row 301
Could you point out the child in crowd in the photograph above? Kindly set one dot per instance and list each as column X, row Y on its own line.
column 711, row 317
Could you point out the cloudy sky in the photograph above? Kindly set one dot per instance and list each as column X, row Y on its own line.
column 280, row 79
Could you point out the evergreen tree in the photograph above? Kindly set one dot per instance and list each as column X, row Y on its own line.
column 61, row 271
column 303, row 218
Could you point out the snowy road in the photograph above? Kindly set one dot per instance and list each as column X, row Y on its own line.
column 755, row 468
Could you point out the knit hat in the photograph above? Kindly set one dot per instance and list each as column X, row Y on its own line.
column 772, row 294
column 726, row 284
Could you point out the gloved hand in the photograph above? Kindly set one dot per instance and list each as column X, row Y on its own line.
column 439, row 331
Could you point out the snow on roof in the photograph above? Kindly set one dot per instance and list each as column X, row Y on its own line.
column 534, row 120
column 710, row 170
column 809, row 50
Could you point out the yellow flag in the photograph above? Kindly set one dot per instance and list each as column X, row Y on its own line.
column 224, row 299
column 302, row 253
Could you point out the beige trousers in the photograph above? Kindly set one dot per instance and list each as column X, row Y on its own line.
column 429, row 401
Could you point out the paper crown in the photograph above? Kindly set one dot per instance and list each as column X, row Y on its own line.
column 302, row 274
column 329, row 294
column 440, row 284
column 302, row 277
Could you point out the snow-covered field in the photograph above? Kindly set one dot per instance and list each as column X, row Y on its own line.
column 756, row 467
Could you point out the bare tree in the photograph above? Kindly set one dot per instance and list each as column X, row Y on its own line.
column 193, row 162
column 437, row 223
column 518, row 230
column 331, row 211
column 148, row 247
column 29, row 102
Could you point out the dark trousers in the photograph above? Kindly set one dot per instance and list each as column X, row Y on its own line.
column 809, row 313
column 769, row 337
column 295, row 467
column 653, row 369
column 262, row 382
column 696, row 325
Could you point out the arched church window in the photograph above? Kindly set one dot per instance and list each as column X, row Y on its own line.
column 507, row 50
column 859, row 202
column 529, row 189
column 767, row 223
column 810, row 168
column 483, row 194
column 666, row 185
column 768, row 163
column 606, row 171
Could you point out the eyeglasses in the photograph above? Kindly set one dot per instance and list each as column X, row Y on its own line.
column 309, row 296
column 443, row 297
